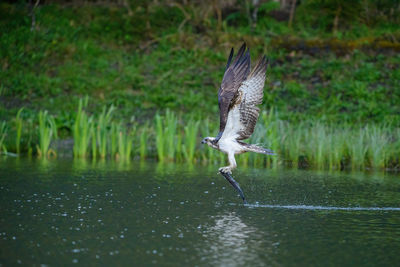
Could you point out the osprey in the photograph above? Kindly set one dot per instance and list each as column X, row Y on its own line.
column 238, row 96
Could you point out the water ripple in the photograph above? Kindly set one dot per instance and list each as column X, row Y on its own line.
column 310, row 207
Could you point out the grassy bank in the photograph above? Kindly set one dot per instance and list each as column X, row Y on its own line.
column 156, row 58
column 151, row 71
column 174, row 137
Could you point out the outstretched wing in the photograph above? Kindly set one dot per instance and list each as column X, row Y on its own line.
column 234, row 76
column 252, row 95
column 243, row 115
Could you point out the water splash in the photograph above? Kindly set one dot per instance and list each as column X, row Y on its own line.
column 311, row 207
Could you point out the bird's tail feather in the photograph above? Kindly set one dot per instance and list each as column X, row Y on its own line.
column 258, row 149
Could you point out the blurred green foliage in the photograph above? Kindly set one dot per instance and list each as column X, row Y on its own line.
column 147, row 56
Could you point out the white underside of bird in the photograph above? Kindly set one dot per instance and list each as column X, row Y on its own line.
column 240, row 93
column 228, row 142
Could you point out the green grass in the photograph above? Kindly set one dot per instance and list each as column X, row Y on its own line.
column 273, row 135
column 47, row 131
column 311, row 143
column 378, row 137
column 82, row 130
column 166, row 136
column 125, row 142
column 18, row 127
column 208, row 155
column 143, row 141
column 114, row 135
column 102, row 131
column 94, row 143
column 3, row 134
column 358, row 148
column 170, row 127
column 160, row 138
column 191, row 133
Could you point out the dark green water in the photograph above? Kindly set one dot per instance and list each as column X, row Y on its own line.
column 68, row 212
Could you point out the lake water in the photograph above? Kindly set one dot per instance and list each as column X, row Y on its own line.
column 65, row 212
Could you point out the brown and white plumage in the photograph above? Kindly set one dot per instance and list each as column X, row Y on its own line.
column 240, row 93
column 235, row 74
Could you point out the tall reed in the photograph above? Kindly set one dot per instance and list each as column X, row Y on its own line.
column 114, row 135
column 160, row 138
column 166, row 128
column 30, row 137
column 82, row 130
column 337, row 153
column 102, row 130
column 94, row 142
column 180, row 149
column 273, row 134
column 358, row 147
column 377, row 139
column 320, row 144
column 208, row 154
column 143, row 141
column 18, row 128
column 125, row 142
column 293, row 143
column 309, row 143
column 393, row 152
column 3, row 134
column 170, row 126
column 47, row 130
column 191, row 130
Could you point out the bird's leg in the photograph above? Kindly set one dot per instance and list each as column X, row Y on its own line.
column 232, row 164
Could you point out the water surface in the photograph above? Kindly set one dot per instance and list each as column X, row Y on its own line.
column 78, row 212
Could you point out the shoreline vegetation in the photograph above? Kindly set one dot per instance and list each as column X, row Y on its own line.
column 135, row 80
column 172, row 137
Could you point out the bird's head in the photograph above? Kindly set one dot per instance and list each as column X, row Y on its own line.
column 208, row 141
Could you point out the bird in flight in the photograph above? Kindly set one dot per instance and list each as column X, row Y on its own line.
column 238, row 96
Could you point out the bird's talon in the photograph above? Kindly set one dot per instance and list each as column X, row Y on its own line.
column 225, row 170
